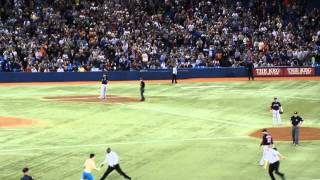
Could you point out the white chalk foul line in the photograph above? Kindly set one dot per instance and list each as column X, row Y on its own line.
column 203, row 87
column 122, row 143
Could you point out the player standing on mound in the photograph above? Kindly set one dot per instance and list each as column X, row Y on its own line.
column 104, row 83
column 276, row 109
column 265, row 143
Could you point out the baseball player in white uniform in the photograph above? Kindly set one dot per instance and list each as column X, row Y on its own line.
column 276, row 109
column 104, row 83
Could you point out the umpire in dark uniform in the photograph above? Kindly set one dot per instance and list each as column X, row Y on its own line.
column 250, row 67
column 174, row 74
column 296, row 122
column 142, row 86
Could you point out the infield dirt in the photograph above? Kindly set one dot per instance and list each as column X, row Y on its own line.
column 14, row 122
column 284, row 133
column 94, row 98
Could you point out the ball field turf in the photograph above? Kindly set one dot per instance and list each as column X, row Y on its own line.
column 187, row 131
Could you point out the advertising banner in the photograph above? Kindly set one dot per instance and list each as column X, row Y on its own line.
column 284, row 71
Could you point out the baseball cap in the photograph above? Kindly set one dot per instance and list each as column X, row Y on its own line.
column 264, row 130
column 295, row 112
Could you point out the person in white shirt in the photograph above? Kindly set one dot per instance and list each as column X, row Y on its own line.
column 34, row 69
column 174, row 74
column 113, row 164
column 273, row 159
column 60, row 69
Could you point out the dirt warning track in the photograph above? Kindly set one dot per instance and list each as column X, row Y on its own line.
column 94, row 98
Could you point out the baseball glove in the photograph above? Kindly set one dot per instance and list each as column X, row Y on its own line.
column 281, row 112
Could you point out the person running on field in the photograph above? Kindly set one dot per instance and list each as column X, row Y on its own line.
column 267, row 140
column 273, row 158
column 113, row 164
column 89, row 165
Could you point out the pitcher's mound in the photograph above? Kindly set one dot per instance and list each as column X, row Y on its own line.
column 284, row 133
column 91, row 98
column 13, row 122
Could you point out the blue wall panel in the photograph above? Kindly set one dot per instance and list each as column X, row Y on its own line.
column 122, row 75
column 318, row 71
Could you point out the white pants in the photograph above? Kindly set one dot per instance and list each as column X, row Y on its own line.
column 264, row 152
column 103, row 91
column 276, row 117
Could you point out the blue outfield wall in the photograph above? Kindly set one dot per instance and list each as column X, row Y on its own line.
column 122, row 75
column 126, row 75
column 318, row 71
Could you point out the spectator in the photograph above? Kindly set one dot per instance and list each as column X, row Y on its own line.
column 85, row 36
column 60, row 69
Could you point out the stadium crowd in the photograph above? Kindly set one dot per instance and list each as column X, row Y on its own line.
column 96, row 35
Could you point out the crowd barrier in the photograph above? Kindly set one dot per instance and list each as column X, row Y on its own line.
column 156, row 74
column 318, row 71
column 121, row 75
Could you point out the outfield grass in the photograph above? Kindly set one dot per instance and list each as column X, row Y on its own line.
column 182, row 132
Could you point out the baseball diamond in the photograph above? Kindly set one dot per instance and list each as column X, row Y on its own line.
column 177, row 133
column 159, row 89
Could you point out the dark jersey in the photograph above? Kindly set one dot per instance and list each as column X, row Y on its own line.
column 250, row 64
column 275, row 105
column 26, row 177
column 104, row 81
column 266, row 139
column 295, row 120
column 142, row 85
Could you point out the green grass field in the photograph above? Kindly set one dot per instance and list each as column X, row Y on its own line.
column 188, row 131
